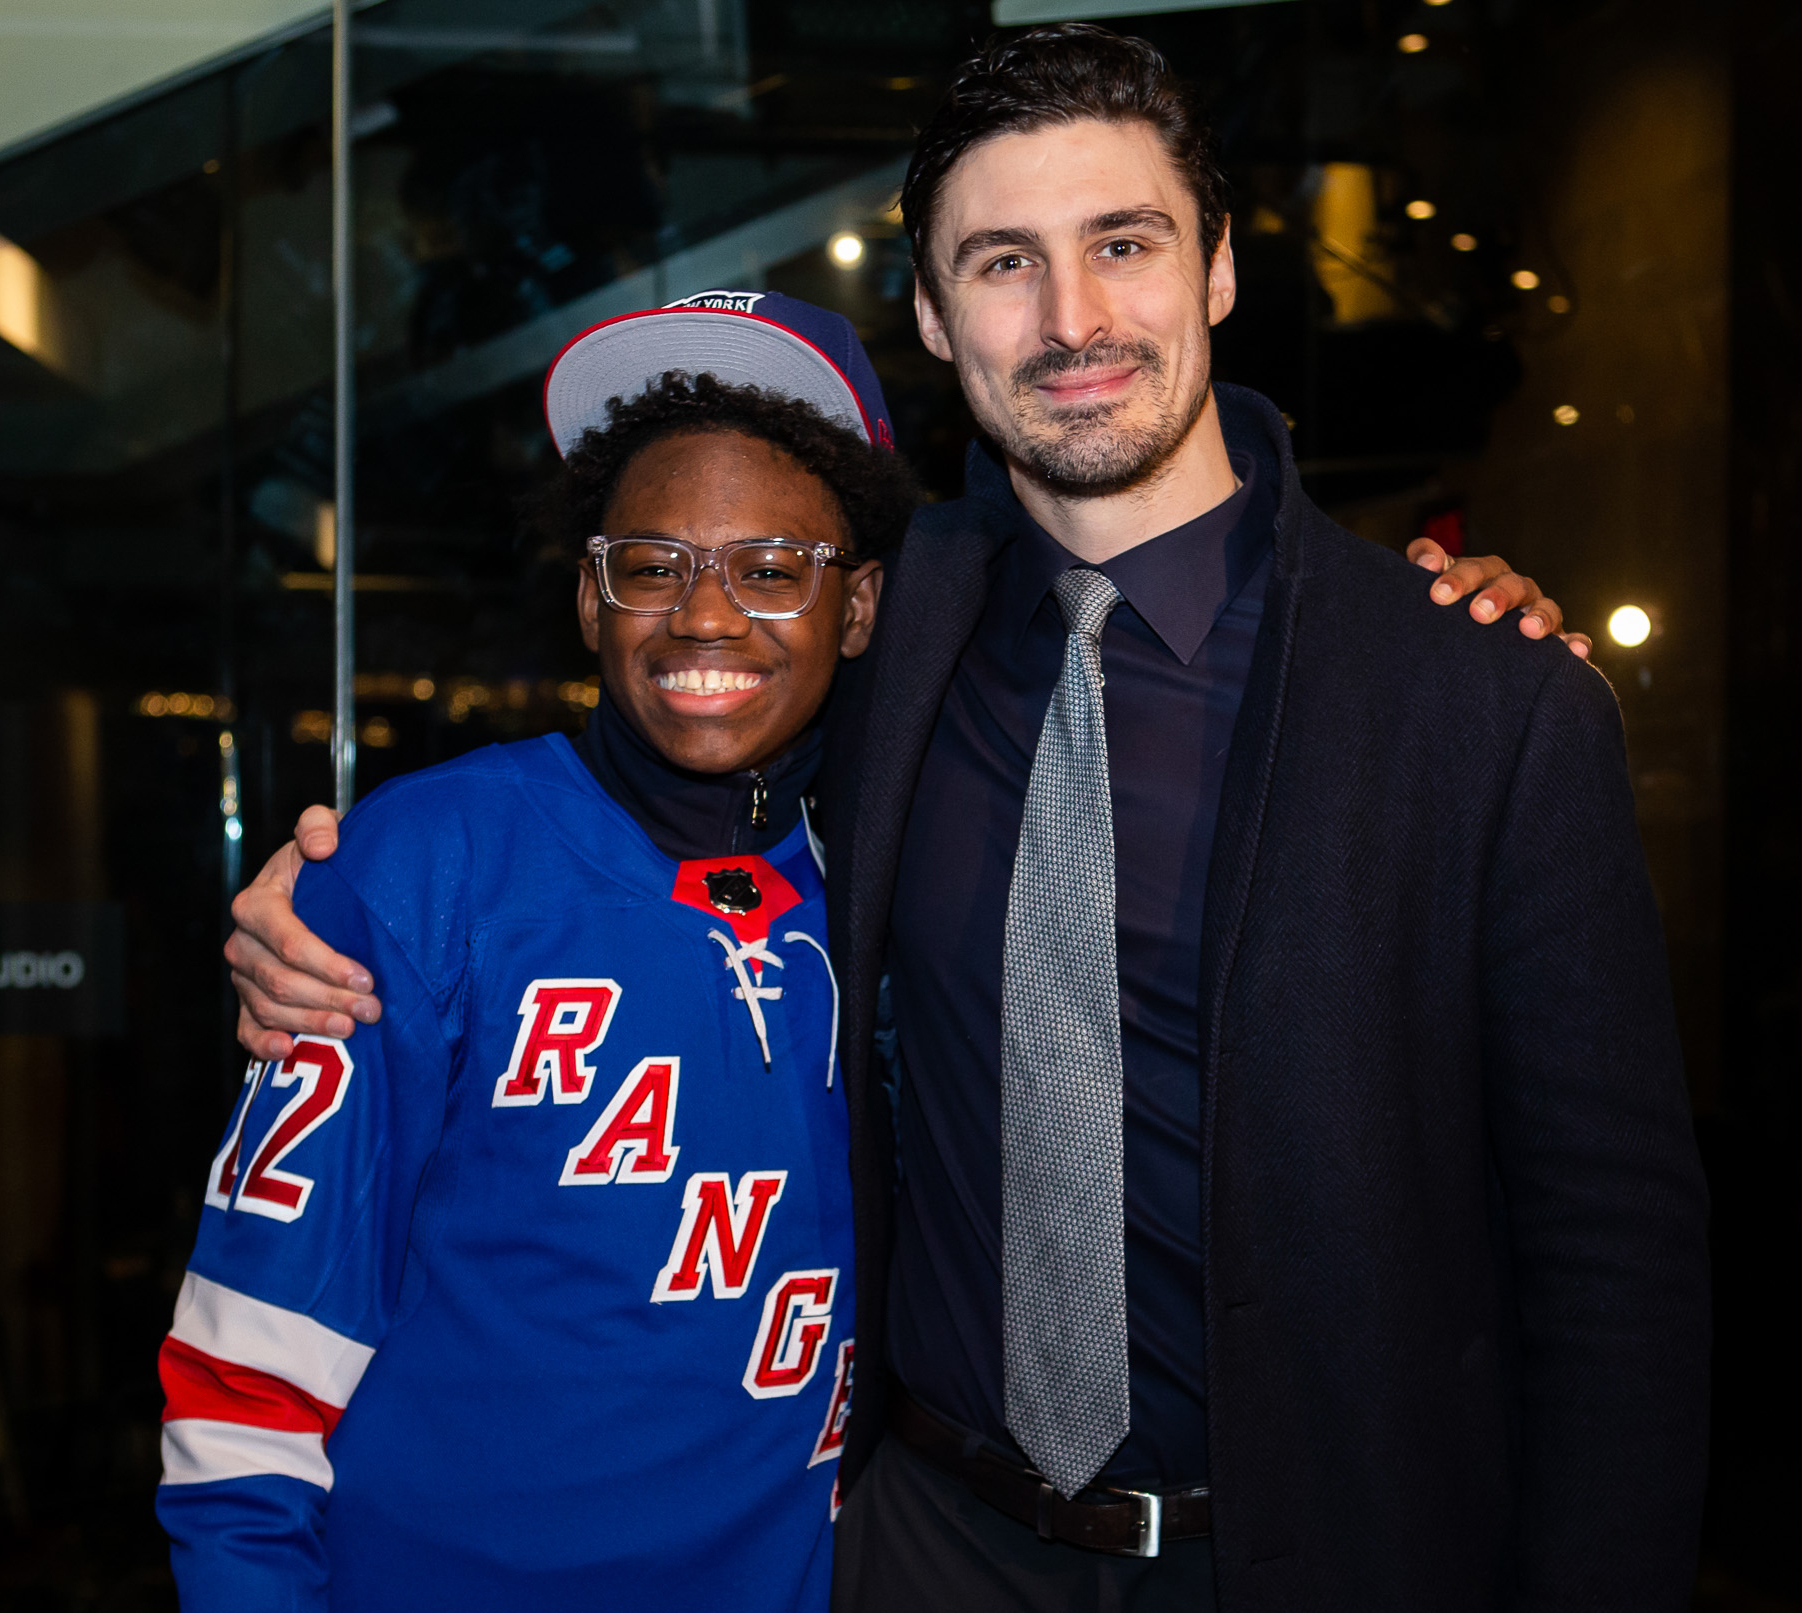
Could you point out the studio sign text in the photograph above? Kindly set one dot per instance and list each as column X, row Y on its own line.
column 62, row 969
column 23, row 971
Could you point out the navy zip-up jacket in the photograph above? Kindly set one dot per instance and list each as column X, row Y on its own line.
column 1453, row 1215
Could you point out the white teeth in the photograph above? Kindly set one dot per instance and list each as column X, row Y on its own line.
column 712, row 681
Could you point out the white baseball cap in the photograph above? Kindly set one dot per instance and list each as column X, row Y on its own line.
column 743, row 338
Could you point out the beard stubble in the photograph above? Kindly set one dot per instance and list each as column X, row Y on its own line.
column 1090, row 450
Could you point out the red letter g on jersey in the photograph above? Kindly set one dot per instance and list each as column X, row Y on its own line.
column 797, row 1316
column 560, row 1022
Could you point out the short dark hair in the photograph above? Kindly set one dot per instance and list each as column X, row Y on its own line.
column 875, row 490
column 1060, row 74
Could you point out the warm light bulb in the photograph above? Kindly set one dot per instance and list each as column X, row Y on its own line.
column 846, row 249
column 1420, row 209
column 1461, row 242
column 1524, row 279
column 1411, row 44
column 1629, row 626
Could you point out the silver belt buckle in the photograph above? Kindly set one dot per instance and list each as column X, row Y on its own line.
column 1151, row 1522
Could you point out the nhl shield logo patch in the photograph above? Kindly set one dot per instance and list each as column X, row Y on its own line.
column 749, row 893
column 733, row 890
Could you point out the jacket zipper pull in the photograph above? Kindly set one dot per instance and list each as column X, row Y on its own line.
column 760, row 802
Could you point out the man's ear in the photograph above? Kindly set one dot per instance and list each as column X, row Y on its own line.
column 932, row 327
column 859, row 619
column 588, row 608
column 1223, row 278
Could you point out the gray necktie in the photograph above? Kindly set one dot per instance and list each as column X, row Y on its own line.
column 1063, row 1232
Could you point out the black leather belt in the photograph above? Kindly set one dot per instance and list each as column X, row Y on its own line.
column 1125, row 1523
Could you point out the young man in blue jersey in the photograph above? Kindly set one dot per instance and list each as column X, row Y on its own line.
column 538, row 1294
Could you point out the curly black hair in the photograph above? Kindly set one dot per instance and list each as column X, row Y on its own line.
column 875, row 490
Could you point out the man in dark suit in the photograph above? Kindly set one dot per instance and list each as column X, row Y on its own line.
column 1389, row 1122
column 1273, row 1179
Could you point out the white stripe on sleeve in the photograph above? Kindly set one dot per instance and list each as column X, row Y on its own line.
column 197, row 1450
column 234, row 1327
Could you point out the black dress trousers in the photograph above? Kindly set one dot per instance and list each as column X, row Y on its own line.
column 913, row 1540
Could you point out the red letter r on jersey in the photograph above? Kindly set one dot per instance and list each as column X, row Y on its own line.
column 560, row 1022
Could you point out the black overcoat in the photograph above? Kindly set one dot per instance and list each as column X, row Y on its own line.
column 1453, row 1218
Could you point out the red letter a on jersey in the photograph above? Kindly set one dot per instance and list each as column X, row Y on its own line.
column 560, row 1021
column 720, row 1234
column 631, row 1140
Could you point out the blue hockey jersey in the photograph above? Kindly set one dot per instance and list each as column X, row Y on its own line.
column 534, row 1294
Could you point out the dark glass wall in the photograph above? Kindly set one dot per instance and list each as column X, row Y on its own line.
column 1752, row 1141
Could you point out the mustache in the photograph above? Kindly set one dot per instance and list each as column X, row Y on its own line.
column 1042, row 367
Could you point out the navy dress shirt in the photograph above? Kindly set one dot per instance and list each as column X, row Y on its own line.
column 1175, row 655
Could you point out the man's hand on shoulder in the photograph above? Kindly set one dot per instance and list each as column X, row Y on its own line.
column 289, row 982
column 1497, row 590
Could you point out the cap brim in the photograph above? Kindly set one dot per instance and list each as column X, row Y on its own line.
column 623, row 357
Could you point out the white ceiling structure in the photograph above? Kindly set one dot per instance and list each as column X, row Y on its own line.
column 1014, row 13
column 63, row 60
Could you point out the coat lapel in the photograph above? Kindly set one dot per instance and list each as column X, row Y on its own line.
column 1250, row 422
column 932, row 600
column 931, row 603
column 1244, row 801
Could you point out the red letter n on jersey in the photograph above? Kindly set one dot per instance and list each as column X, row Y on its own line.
column 560, row 1023
column 720, row 1234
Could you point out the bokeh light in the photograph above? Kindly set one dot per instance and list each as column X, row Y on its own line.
column 1629, row 626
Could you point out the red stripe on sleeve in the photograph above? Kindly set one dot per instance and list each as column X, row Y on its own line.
column 196, row 1384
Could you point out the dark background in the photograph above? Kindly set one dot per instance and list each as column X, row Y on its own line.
column 165, row 450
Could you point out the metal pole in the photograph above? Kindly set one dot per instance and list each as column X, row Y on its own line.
column 231, row 799
column 344, row 618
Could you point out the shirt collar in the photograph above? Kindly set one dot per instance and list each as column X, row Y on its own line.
column 1178, row 582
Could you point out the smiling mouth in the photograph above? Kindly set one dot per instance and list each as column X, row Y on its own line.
column 1081, row 385
column 711, row 681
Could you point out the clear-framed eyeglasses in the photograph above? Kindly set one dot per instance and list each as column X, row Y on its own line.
column 767, row 578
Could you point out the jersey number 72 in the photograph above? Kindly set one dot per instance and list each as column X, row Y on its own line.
column 320, row 1067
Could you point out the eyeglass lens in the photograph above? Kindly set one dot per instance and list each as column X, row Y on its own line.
column 649, row 575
